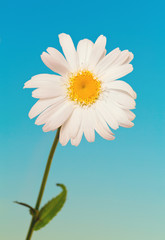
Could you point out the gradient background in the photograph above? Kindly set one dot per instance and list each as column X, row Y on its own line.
column 116, row 189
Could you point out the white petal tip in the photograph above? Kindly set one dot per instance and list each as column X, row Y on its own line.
column 42, row 55
column 34, row 95
column 63, row 144
column 102, row 36
column 62, row 35
column 37, row 122
column 74, row 143
column 132, row 117
column 30, row 115
column 91, row 141
column 110, row 138
column 131, row 124
column 49, row 48
column 131, row 56
column 135, row 95
column 46, row 129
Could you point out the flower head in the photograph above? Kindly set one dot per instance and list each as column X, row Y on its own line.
column 86, row 96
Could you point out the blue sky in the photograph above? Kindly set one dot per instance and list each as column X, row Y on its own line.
column 116, row 188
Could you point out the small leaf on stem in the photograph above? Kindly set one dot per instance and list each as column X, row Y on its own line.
column 50, row 210
column 33, row 211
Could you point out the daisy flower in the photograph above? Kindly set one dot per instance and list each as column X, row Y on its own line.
column 86, row 95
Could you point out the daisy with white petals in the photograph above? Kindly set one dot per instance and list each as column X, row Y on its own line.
column 86, row 95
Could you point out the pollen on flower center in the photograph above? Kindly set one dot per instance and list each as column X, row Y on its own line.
column 84, row 88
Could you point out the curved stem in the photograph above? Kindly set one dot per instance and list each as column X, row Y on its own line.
column 43, row 184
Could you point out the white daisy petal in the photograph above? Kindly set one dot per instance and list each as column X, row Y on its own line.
column 124, row 100
column 71, row 127
column 131, row 116
column 102, row 128
column 75, row 122
column 77, row 139
column 42, row 105
column 117, row 72
column 129, row 59
column 55, row 63
column 88, row 127
column 57, row 55
column 123, row 56
column 121, row 86
column 64, row 135
column 84, row 49
column 107, row 61
column 69, row 50
column 119, row 114
column 58, row 117
column 103, row 55
column 42, row 80
column 127, row 125
column 97, row 51
column 107, row 115
column 44, row 116
column 48, row 92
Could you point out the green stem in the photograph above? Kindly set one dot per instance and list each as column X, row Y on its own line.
column 43, row 184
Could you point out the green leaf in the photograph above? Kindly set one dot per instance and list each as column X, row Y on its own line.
column 50, row 210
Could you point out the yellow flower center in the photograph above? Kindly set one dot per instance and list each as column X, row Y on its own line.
column 84, row 88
